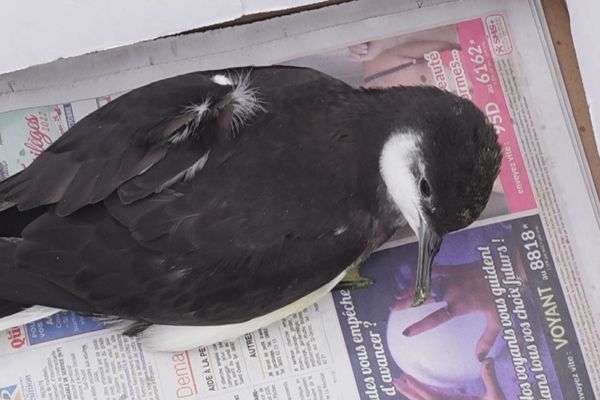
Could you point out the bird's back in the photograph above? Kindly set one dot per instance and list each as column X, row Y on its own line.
column 164, row 217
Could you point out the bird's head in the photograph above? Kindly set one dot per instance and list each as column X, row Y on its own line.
column 439, row 165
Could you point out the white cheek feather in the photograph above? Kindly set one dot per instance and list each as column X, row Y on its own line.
column 196, row 167
column 245, row 101
column 201, row 111
column 186, row 174
column 397, row 156
column 180, row 136
column 222, row 80
column 180, row 338
column 340, row 229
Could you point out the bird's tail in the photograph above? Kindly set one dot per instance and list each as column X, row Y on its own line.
column 15, row 313
column 13, row 220
column 8, row 308
column 16, row 286
column 8, row 247
column 7, row 251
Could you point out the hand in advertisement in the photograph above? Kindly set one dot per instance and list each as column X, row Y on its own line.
column 412, row 46
column 465, row 291
column 412, row 389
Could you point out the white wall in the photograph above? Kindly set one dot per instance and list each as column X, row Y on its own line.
column 35, row 32
column 585, row 27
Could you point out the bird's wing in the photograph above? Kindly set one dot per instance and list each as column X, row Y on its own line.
column 138, row 143
column 89, row 263
column 241, row 238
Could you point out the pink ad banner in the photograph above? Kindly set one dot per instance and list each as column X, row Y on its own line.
column 473, row 73
column 462, row 58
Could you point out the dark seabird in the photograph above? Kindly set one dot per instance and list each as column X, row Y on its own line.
column 204, row 206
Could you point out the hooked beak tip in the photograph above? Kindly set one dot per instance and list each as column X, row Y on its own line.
column 420, row 297
column 429, row 245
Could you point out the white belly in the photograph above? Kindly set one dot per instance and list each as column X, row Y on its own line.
column 180, row 338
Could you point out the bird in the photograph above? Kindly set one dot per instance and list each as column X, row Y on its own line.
column 207, row 205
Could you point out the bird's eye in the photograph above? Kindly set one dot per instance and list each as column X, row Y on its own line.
column 425, row 188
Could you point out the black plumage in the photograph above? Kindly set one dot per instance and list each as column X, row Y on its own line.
column 280, row 200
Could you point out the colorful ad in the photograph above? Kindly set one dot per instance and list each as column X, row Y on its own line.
column 495, row 327
column 25, row 134
column 459, row 58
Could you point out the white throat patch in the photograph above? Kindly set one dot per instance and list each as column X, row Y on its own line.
column 398, row 155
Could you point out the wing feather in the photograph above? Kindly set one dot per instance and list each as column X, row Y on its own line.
column 118, row 142
column 157, row 177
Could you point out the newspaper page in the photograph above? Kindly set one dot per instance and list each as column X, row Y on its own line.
column 507, row 319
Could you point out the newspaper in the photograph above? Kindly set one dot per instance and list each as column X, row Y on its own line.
column 513, row 312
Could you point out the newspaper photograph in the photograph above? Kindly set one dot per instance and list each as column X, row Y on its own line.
column 509, row 336
column 506, row 319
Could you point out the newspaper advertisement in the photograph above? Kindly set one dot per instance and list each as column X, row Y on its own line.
column 500, row 323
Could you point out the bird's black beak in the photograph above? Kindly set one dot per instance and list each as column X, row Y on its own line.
column 429, row 245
